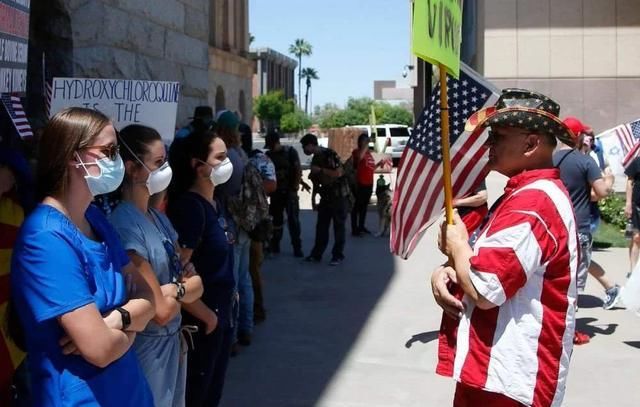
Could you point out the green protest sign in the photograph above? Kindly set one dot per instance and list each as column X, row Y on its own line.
column 437, row 32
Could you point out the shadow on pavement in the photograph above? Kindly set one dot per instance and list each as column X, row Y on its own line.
column 635, row 344
column 315, row 314
column 584, row 325
column 423, row 338
column 589, row 301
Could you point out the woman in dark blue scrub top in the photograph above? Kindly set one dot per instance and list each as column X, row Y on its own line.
column 199, row 162
column 79, row 299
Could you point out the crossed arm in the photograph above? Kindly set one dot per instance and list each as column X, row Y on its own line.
column 100, row 339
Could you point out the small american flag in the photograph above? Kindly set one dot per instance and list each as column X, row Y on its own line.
column 632, row 129
column 47, row 90
column 628, row 134
column 419, row 193
column 16, row 112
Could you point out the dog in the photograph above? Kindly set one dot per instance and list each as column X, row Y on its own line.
column 385, row 196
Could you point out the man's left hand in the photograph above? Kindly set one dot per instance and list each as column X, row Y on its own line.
column 451, row 236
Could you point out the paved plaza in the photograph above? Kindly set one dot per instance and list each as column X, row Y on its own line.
column 365, row 333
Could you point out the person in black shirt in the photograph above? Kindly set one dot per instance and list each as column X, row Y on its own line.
column 327, row 175
column 285, row 198
column 580, row 174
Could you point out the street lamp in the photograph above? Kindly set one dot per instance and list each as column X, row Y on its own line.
column 406, row 69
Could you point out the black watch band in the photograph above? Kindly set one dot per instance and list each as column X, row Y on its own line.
column 181, row 290
column 126, row 317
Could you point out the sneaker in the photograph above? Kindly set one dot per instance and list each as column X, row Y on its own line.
column 356, row 234
column 298, row 253
column 365, row 231
column 244, row 339
column 612, row 297
column 336, row 261
column 312, row 259
column 581, row 338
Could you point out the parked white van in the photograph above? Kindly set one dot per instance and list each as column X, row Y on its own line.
column 391, row 139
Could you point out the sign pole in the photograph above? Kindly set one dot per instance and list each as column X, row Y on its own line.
column 446, row 156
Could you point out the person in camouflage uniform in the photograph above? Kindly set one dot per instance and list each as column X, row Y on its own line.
column 327, row 175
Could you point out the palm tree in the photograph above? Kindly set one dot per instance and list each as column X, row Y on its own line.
column 299, row 48
column 308, row 74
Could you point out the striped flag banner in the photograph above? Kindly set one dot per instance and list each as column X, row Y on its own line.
column 618, row 150
column 634, row 129
column 47, row 90
column 419, row 193
column 13, row 105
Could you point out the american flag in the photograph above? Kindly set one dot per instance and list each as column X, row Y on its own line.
column 47, row 90
column 419, row 194
column 632, row 129
column 16, row 112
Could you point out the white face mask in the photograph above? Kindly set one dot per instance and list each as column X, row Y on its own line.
column 159, row 179
column 110, row 177
column 221, row 172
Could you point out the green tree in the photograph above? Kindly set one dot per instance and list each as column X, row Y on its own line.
column 300, row 48
column 270, row 108
column 308, row 74
column 358, row 111
column 293, row 122
column 394, row 115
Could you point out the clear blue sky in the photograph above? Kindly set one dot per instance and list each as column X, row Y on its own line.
column 354, row 41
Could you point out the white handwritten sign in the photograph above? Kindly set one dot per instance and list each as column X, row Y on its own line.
column 125, row 101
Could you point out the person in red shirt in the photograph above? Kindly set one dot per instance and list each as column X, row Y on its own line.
column 364, row 166
column 516, row 319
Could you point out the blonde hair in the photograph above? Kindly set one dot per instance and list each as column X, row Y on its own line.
column 67, row 132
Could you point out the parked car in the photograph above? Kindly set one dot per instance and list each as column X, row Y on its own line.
column 390, row 139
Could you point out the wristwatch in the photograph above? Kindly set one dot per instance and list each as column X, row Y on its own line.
column 181, row 290
column 126, row 317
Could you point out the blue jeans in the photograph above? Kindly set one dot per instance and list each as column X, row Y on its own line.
column 586, row 241
column 241, row 252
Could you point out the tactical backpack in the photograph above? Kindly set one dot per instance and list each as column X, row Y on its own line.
column 250, row 209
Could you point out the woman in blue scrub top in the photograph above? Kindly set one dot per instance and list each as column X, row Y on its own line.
column 79, row 299
column 152, row 244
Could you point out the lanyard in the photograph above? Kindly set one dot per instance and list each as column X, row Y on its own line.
column 175, row 266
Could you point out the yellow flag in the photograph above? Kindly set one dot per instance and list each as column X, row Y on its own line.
column 437, row 32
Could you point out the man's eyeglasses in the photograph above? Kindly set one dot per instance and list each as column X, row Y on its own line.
column 111, row 151
column 227, row 233
column 494, row 136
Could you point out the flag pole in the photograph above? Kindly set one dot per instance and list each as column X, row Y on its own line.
column 446, row 156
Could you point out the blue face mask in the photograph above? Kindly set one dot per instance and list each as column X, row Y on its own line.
column 110, row 177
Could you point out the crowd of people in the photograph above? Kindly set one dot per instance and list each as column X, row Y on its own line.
column 136, row 267
column 135, row 270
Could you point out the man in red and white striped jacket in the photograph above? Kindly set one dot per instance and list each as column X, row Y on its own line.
column 517, row 316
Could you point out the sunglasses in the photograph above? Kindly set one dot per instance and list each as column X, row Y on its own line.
column 222, row 222
column 494, row 136
column 110, row 151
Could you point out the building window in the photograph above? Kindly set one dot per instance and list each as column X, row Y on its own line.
column 212, row 22
column 220, row 100
column 226, row 40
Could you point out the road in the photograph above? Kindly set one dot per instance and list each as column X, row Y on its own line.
column 364, row 333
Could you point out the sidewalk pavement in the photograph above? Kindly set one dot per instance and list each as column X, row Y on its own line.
column 365, row 333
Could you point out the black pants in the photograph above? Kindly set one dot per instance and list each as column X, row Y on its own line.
column 207, row 366
column 330, row 210
column 359, row 212
column 289, row 202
